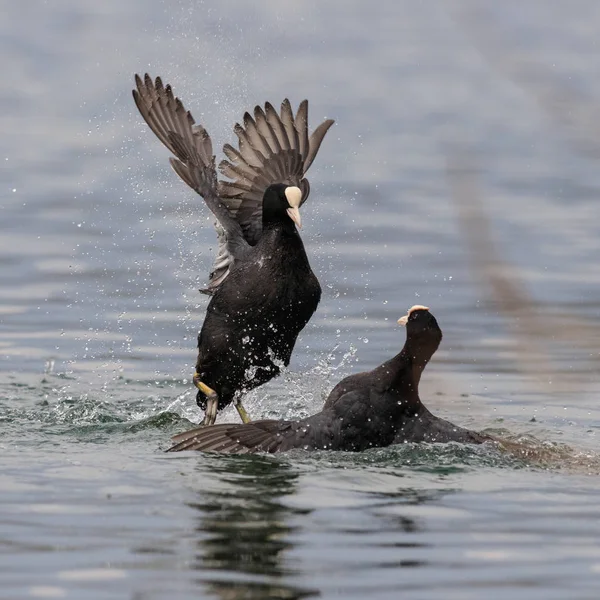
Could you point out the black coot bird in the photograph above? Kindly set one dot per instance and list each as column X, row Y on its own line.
column 366, row 410
column 263, row 289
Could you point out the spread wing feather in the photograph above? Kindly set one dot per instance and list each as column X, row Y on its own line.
column 258, row 436
column 194, row 162
column 272, row 148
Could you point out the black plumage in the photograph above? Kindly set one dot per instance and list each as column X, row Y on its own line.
column 255, row 316
column 366, row 410
column 263, row 289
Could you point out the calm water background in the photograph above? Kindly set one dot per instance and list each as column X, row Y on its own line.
column 102, row 250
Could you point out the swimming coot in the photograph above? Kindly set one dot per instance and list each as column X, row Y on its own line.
column 366, row 410
column 263, row 289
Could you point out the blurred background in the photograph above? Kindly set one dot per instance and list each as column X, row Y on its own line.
column 461, row 174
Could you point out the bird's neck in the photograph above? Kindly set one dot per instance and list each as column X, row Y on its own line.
column 397, row 374
column 420, row 357
column 403, row 372
column 283, row 225
column 286, row 238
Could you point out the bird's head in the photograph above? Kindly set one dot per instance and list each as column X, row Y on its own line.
column 422, row 328
column 281, row 203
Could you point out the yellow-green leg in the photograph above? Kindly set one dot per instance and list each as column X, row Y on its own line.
column 212, row 401
column 242, row 411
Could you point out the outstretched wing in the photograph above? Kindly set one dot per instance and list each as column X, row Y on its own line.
column 194, row 162
column 238, row 438
column 272, row 148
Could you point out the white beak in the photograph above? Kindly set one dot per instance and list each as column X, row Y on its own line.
column 294, row 215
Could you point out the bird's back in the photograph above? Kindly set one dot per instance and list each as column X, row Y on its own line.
column 377, row 378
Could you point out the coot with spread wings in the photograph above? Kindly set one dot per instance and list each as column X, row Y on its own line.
column 263, row 289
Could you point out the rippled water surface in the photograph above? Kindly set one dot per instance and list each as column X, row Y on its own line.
column 102, row 250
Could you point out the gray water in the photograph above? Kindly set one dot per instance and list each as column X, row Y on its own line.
column 103, row 250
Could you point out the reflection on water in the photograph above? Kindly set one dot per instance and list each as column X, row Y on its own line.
column 244, row 532
column 252, row 529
